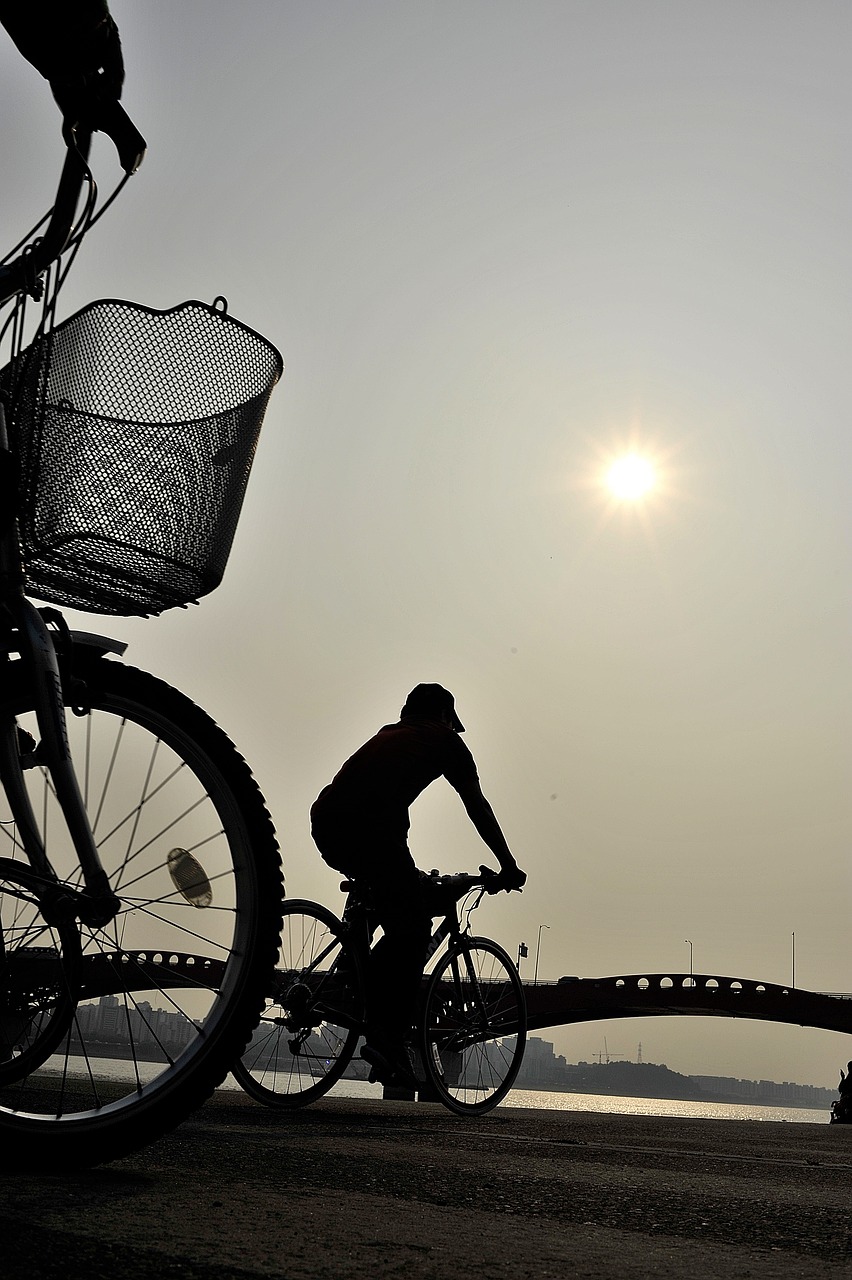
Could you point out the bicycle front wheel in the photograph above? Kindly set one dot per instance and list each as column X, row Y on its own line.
column 314, row 1012
column 167, row 993
column 474, row 1026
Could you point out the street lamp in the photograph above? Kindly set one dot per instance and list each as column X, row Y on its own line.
column 537, row 950
column 689, row 944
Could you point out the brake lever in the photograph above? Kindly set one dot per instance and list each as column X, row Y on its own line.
column 114, row 121
column 111, row 118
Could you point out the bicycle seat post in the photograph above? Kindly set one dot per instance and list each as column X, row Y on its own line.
column 358, row 914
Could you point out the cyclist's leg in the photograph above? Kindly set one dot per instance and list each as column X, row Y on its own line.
column 383, row 864
column 397, row 960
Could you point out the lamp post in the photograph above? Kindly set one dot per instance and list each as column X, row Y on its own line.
column 537, row 950
column 689, row 944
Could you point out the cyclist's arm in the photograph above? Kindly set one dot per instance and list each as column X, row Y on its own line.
column 482, row 816
column 74, row 44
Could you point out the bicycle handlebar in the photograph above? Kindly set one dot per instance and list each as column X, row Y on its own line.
column 23, row 272
column 462, row 882
column 457, row 885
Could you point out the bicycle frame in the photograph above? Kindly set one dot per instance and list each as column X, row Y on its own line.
column 359, row 928
column 356, row 917
column 107, row 949
column 469, row 998
column 450, row 927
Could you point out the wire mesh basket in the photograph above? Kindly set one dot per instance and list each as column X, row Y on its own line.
column 136, row 430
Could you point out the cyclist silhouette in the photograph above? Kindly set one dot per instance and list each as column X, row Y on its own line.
column 360, row 824
column 845, row 1086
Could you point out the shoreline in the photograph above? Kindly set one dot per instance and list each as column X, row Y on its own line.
column 108, row 1052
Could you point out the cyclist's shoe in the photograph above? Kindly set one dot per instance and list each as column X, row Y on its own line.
column 392, row 1064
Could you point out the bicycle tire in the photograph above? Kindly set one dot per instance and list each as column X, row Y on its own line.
column 314, row 1013
column 474, row 1026
column 39, row 977
column 170, row 989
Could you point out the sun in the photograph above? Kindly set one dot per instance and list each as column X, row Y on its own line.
column 630, row 477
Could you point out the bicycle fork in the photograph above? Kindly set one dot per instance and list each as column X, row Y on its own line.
column 97, row 904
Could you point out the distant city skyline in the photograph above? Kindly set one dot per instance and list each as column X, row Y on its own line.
column 543, row 1068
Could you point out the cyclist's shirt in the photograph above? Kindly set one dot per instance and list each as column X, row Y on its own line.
column 377, row 785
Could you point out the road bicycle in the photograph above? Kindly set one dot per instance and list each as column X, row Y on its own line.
column 140, row 879
column 472, row 1021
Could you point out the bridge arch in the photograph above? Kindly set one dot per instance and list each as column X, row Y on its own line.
column 571, row 1000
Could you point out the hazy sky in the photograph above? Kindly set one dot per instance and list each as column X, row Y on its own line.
column 498, row 244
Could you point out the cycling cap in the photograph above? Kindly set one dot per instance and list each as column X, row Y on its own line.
column 431, row 699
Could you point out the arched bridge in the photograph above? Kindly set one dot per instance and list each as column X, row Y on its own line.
column 556, row 1004
column 549, row 1004
column 106, row 974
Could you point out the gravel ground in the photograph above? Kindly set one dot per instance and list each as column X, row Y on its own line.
column 351, row 1189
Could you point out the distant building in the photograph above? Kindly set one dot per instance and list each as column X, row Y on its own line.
column 113, row 1023
column 766, row 1092
column 543, row 1069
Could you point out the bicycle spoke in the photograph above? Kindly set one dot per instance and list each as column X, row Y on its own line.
column 184, row 930
column 314, row 1015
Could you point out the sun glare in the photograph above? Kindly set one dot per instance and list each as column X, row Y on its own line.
column 630, row 477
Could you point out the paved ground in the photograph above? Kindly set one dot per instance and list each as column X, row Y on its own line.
column 352, row 1189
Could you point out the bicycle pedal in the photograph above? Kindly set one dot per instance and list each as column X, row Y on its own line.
column 382, row 1071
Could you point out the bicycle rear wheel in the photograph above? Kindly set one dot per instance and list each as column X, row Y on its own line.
column 169, row 990
column 474, row 1026
column 314, row 1012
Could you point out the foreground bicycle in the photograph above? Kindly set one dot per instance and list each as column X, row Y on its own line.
column 472, row 1020
column 140, row 881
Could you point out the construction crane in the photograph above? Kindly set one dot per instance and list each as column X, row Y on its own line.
column 606, row 1056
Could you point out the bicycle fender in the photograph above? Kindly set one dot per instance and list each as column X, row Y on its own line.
column 95, row 645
